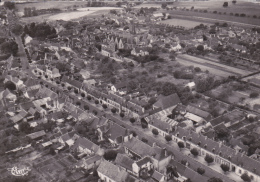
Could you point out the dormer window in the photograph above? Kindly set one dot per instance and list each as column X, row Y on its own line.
column 177, row 134
column 199, row 143
column 190, row 139
column 205, row 146
column 229, row 157
column 184, row 138
column 220, row 154
column 213, row 150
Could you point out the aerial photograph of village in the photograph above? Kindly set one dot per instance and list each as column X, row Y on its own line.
column 130, row 91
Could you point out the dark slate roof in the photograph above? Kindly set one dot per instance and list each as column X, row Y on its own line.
column 168, row 101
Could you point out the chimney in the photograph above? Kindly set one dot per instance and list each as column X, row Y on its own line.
column 165, row 151
column 154, row 144
column 220, row 144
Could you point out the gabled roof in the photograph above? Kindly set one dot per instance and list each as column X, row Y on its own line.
column 120, row 85
column 86, row 144
column 37, row 134
column 198, row 112
column 112, row 171
column 115, row 131
column 168, row 101
column 143, row 161
column 160, row 124
column 124, row 161
column 157, row 176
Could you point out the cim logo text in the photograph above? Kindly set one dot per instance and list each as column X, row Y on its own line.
column 19, row 171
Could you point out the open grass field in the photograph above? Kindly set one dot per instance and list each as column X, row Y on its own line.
column 240, row 7
column 212, row 18
column 213, row 67
column 49, row 4
column 182, row 22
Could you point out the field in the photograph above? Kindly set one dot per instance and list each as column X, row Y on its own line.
column 239, row 7
column 182, row 22
column 213, row 67
column 66, row 16
column 255, row 79
column 48, row 4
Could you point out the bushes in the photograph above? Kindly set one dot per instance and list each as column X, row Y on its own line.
column 224, row 167
column 209, row 159
column 181, row 145
column 254, row 95
column 194, row 152
column 201, row 171
column 155, row 132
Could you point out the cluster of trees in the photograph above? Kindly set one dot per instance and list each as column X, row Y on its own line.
column 17, row 29
column 41, row 30
column 28, row 12
column 108, row 67
column 204, row 83
column 8, row 46
column 9, row 5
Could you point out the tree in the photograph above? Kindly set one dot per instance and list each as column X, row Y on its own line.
column 110, row 155
column 52, row 151
column 201, row 171
column 134, row 133
column 83, row 95
column 10, row 85
column 168, row 88
column 104, row 106
column 86, row 107
column 234, row 1
column 254, row 95
column 10, row 47
column 225, row 4
column 209, row 159
column 25, row 127
column 168, row 138
column 9, row 5
column 76, row 91
column 245, row 177
column 89, row 97
column 17, row 29
column 95, row 112
column 144, row 124
column 164, row 5
column 122, row 115
column 113, row 110
column 194, row 152
column 132, row 120
column 155, row 131
column 181, row 145
column 78, row 103
column 214, row 179
column 200, row 48
column 224, row 167
column 119, row 4
column 144, row 140
column 96, row 102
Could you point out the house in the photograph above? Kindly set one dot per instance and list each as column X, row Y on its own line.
column 175, row 47
column 83, row 146
column 136, row 149
column 107, row 171
column 144, row 163
column 68, row 138
column 158, row 177
column 7, row 95
column 222, row 154
column 239, row 48
column 89, row 162
column 52, row 72
column 15, row 80
column 37, row 135
column 115, row 133
column 163, row 127
column 139, row 52
column 198, row 112
column 167, row 101
column 125, row 162
column 120, row 88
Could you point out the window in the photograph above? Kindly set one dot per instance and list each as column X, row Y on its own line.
column 240, row 171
